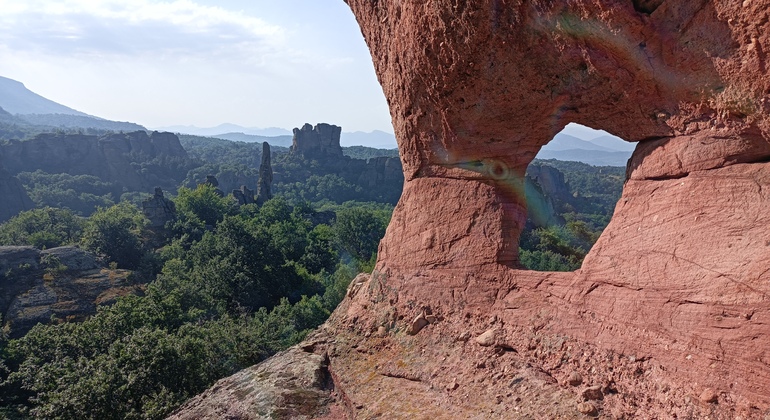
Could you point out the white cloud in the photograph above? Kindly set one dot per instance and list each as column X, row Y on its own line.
column 167, row 62
column 110, row 28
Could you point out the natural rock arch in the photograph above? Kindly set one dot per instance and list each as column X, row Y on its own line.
column 475, row 88
column 669, row 316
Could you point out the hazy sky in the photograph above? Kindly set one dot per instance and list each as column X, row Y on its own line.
column 256, row 63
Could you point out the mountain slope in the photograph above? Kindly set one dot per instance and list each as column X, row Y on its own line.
column 17, row 99
column 224, row 128
column 563, row 141
column 24, row 113
column 376, row 139
column 611, row 142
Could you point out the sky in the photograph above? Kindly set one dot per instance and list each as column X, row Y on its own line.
column 255, row 63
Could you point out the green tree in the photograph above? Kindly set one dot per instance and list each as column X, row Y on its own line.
column 79, row 193
column 240, row 265
column 115, row 233
column 358, row 231
column 319, row 253
column 205, row 204
column 546, row 261
column 42, row 228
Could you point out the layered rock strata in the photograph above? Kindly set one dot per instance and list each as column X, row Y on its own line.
column 63, row 284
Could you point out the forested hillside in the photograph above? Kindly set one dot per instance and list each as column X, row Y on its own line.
column 583, row 199
column 234, row 285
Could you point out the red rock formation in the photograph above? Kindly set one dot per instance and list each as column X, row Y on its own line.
column 681, row 275
column 669, row 315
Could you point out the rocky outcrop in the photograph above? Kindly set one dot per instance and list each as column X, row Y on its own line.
column 294, row 385
column 211, row 181
column 551, row 180
column 265, row 181
column 545, row 190
column 158, row 209
column 317, row 151
column 475, row 91
column 668, row 316
column 65, row 284
column 112, row 157
column 13, row 195
column 243, row 196
column 321, row 141
column 380, row 170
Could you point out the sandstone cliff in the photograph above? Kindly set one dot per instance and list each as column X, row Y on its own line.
column 669, row 315
column 317, row 151
column 323, row 140
column 112, row 157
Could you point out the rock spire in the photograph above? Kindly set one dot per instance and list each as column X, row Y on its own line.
column 265, row 181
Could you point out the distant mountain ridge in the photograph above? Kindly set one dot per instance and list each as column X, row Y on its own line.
column 225, row 128
column 38, row 114
column 281, row 137
column 591, row 157
column 15, row 98
column 583, row 144
column 566, row 142
column 282, row 141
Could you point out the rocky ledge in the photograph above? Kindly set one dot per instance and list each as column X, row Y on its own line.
column 64, row 284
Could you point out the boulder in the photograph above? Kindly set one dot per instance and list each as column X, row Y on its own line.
column 243, row 196
column 293, row 384
column 64, row 283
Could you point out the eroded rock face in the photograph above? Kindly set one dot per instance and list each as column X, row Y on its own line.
column 14, row 196
column 294, row 384
column 265, row 181
column 158, row 209
column 681, row 274
column 669, row 315
column 321, row 141
column 110, row 156
column 64, row 283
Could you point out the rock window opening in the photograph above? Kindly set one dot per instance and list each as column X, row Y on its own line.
column 571, row 189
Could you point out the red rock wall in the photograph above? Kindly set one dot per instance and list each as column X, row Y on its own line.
column 682, row 273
